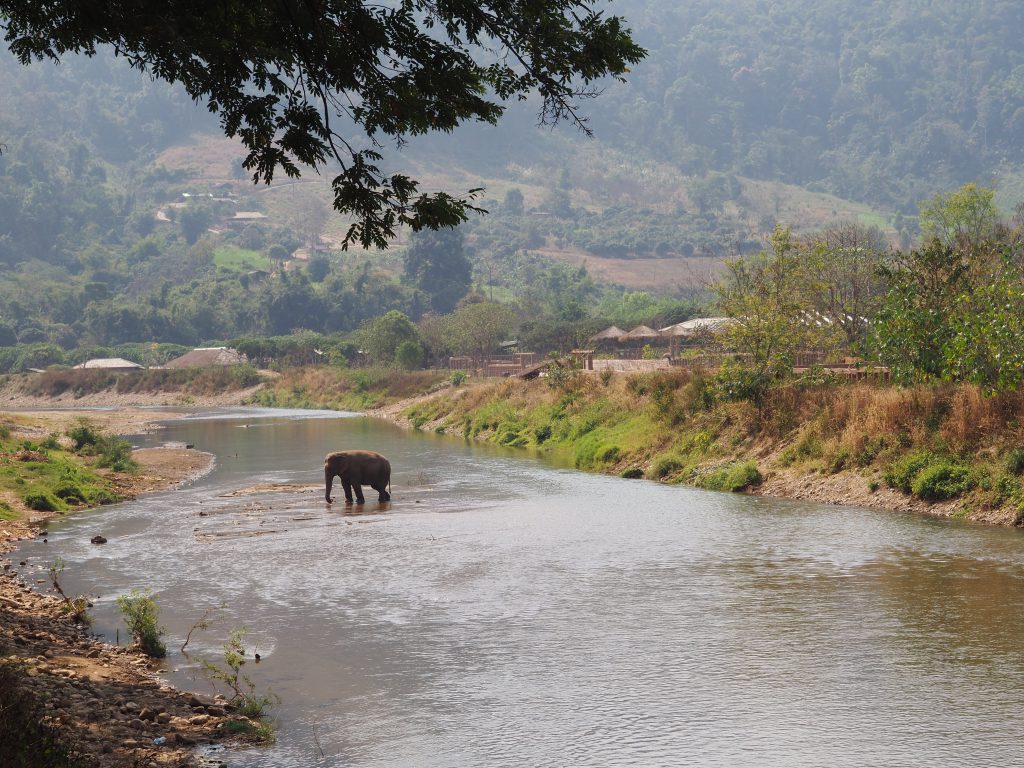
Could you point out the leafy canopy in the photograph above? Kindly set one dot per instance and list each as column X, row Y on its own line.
column 311, row 84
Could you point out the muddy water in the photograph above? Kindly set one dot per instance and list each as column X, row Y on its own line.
column 501, row 611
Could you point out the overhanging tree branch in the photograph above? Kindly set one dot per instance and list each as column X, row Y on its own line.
column 278, row 72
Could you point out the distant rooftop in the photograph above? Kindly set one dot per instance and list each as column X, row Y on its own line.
column 110, row 363
column 204, row 357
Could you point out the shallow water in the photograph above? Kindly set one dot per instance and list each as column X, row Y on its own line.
column 502, row 611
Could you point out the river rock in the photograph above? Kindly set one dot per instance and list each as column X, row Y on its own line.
column 97, row 540
column 147, row 714
column 199, row 720
column 163, row 718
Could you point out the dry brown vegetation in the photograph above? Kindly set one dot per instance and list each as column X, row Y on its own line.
column 192, row 381
column 946, row 450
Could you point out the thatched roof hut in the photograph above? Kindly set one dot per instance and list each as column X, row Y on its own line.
column 205, row 357
column 641, row 332
column 611, row 333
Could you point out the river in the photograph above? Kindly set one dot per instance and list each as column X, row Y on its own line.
column 504, row 611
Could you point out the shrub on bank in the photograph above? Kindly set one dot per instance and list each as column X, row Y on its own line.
column 737, row 477
column 142, row 617
column 943, row 480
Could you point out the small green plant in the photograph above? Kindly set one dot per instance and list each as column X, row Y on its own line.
column 242, row 689
column 204, row 623
column 457, row 378
column 51, row 442
column 84, row 435
column 632, row 473
column 76, row 607
column 606, row 377
column 142, row 617
column 873, row 485
column 7, row 511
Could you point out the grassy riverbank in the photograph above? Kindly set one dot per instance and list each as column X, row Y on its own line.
column 945, row 450
column 60, row 471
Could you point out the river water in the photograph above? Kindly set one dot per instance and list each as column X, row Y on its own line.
column 503, row 611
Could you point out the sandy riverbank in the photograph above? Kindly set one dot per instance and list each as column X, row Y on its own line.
column 106, row 703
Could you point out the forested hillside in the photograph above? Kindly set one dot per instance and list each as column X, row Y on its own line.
column 125, row 218
column 882, row 102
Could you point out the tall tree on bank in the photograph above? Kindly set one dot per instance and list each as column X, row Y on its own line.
column 306, row 84
column 436, row 264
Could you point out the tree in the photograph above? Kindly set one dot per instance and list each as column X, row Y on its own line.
column 194, row 220
column 966, row 217
column 436, row 264
column 296, row 82
column 916, row 317
column 955, row 313
column 409, row 355
column 768, row 298
column 513, row 204
column 846, row 262
column 382, row 336
column 476, row 329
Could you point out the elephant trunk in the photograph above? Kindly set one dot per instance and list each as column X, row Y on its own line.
column 328, row 480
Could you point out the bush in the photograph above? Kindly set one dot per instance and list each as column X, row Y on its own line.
column 84, row 435
column 141, row 616
column 70, row 492
column 902, row 473
column 457, row 378
column 116, row 454
column 42, row 501
column 1015, row 461
column 737, row 384
column 632, row 473
column 943, row 480
column 663, row 466
column 735, row 478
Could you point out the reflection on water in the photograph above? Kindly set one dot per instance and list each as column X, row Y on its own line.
column 504, row 612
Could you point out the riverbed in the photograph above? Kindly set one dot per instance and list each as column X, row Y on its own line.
column 505, row 611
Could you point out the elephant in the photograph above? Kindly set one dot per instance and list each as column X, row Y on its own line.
column 356, row 468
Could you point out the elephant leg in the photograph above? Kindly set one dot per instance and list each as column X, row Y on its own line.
column 382, row 490
column 359, row 493
column 348, row 489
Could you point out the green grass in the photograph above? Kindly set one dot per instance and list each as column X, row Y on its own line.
column 55, row 479
column 240, row 259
